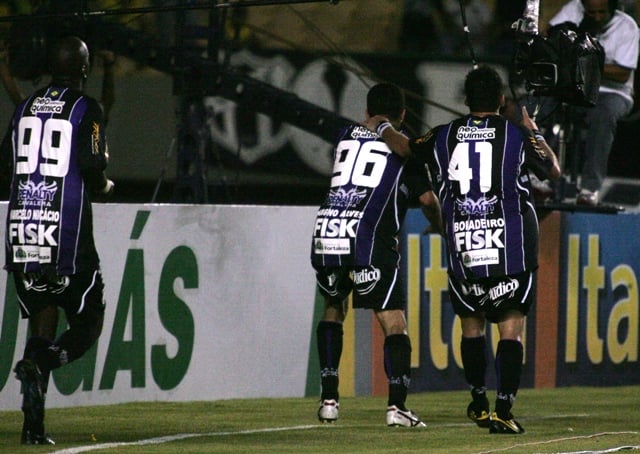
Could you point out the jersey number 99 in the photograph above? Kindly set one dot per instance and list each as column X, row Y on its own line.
column 54, row 147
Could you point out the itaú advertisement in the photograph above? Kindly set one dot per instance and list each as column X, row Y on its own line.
column 583, row 327
column 598, row 340
column 203, row 302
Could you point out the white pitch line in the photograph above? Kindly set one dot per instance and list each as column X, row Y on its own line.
column 577, row 437
column 169, row 438
column 606, row 451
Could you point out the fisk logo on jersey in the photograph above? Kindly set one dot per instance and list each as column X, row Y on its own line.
column 33, row 233
column 336, row 228
column 332, row 235
column 478, row 234
column 479, row 240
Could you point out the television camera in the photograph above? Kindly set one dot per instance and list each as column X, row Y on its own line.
column 566, row 64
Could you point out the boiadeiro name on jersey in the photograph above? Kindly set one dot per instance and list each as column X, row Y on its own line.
column 479, row 241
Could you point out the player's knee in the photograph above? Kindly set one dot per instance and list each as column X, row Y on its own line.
column 87, row 327
column 392, row 322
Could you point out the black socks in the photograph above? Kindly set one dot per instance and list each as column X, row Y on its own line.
column 508, row 370
column 397, row 365
column 474, row 361
column 329, row 337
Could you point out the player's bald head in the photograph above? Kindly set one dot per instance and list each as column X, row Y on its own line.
column 69, row 59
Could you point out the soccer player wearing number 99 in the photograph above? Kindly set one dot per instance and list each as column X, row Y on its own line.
column 355, row 249
column 55, row 153
column 479, row 164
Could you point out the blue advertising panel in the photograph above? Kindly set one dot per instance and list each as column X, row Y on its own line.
column 598, row 314
column 598, row 307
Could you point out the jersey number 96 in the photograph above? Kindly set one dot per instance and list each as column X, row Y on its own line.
column 362, row 164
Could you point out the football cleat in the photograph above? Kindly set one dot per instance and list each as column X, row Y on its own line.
column 30, row 438
column 328, row 411
column 479, row 413
column 405, row 418
column 33, row 401
column 504, row 426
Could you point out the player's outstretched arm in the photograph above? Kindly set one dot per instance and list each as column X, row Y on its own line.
column 395, row 140
column 529, row 123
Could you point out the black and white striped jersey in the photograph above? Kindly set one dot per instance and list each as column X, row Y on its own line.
column 359, row 221
column 57, row 147
column 479, row 167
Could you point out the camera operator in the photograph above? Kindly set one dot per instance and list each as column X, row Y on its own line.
column 618, row 34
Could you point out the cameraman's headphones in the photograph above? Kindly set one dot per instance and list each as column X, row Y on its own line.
column 612, row 4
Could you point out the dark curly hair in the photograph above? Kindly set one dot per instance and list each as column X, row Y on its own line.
column 483, row 88
column 385, row 99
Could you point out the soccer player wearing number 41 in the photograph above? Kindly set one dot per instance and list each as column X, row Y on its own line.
column 55, row 153
column 479, row 165
column 355, row 250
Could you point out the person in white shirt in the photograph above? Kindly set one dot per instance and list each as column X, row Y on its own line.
column 618, row 34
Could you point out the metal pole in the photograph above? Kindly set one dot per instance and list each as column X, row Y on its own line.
column 160, row 9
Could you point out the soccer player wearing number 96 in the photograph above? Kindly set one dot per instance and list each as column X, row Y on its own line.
column 479, row 165
column 355, row 250
column 55, row 154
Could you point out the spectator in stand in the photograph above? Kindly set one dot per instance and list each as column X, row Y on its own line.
column 618, row 34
